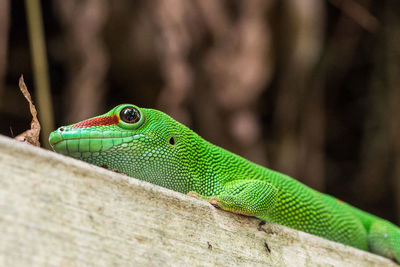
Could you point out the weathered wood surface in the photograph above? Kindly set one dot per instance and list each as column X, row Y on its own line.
column 59, row 211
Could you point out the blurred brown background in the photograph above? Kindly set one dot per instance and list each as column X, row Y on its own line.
column 307, row 87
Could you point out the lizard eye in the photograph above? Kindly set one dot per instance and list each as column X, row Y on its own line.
column 129, row 115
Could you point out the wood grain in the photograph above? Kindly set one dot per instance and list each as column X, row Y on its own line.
column 59, row 211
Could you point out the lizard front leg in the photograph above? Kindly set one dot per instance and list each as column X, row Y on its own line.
column 246, row 197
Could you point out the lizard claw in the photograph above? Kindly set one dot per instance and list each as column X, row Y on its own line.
column 193, row 194
column 213, row 201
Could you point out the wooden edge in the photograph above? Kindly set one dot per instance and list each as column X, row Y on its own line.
column 55, row 210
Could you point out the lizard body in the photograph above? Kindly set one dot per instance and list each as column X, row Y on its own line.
column 149, row 145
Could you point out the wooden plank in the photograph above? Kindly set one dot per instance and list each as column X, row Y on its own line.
column 59, row 211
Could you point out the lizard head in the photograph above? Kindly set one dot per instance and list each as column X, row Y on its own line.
column 143, row 143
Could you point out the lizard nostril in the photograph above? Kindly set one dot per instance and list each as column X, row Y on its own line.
column 61, row 129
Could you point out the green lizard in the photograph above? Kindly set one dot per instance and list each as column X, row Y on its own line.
column 149, row 145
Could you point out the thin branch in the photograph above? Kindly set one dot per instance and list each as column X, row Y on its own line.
column 357, row 13
column 40, row 68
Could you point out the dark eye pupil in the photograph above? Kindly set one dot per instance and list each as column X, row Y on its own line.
column 130, row 115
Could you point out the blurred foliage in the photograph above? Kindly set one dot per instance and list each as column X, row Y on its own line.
column 310, row 88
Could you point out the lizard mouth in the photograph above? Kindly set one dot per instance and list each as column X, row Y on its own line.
column 78, row 143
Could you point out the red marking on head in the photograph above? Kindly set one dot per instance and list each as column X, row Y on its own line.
column 100, row 121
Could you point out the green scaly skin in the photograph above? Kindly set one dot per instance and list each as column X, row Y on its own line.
column 162, row 151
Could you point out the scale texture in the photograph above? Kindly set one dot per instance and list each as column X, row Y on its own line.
column 148, row 144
